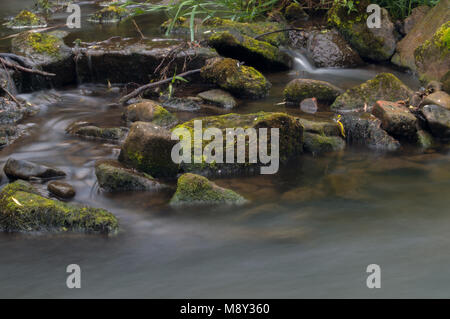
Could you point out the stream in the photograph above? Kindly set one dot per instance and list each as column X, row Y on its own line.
column 368, row 208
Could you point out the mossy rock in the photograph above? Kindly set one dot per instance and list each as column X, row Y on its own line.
column 433, row 56
column 218, row 97
column 385, row 86
column 251, row 29
column 149, row 111
column 377, row 44
column 240, row 80
column 27, row 19
column 40, row 45
column 326, row 128
column 109, row 14
column 318, row 144
column 295, row 12
column 23, row 209
column 95, row 132
column 253, row 52
column 299, row 89
column 195, row 190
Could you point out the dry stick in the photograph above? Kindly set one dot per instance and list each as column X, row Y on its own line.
column 271, row 32
column 139, row 30
column 27, row 70
column 141, row 89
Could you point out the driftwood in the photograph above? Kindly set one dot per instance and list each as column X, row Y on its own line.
column 24, row 69
column 141, row 89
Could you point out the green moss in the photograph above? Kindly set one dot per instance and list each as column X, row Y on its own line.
column 26, row 19
column 162, row 116
column 318, row 143
column 111, row 13
column 109, row 133
column 42, row 43
column 440, row 42
column 299, row 89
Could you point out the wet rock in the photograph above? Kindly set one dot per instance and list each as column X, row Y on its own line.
column 417, row 15
column 26, row 19
column 421, row 32
column 299, row 89
column 11, row 112
column 113, row 176
column 109, row 14
column 240, row 80
column 433, row 56
column 438, row 119
column 328, row 48
column 61, row 189
column 28, row 170
column 438, row 98
column 424, row 139
column 91, row 131
column 377, row 44
column 396, row 119
column 194, row 190
column 149, row 111
column 309, row 105
column 219, row 97
column 23, row 209
column 318, row 144
column 180, row 104
column 384, row 86
column 327, row 128
column 364, row 129
column 259, row 54
column 294, row 12
column 148, row 148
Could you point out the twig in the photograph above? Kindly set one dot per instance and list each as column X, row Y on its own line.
column 271, row 32
column 34, row 30
column 139, row 30
column 27, row 70
column 11, row 82
column 141, row 89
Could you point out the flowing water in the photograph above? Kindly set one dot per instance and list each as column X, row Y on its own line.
column 310, row 231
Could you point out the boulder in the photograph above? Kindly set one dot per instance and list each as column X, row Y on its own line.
column 113, row 176
column 259, row 54
column 377, row 44
column 26, row 19
column 23, row 209
column 218, row 97
column 384, row 86
column 61, row 189
column 396, row 119
column 438, row 119
column 364, row 129
column 148, row 148
column 326, row 128
column 149, row 111
column 417, row 15
column 28, row 170
column 194, row 190
column 299, row 89
column 437, row 98
column 328, row 48
column 240, row 80
column 318, row 144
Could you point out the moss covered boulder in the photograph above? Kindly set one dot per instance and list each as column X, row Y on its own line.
column 113, row 176
column 240, row 80
column 384, row 86
column 299, row 89
column 148, row 148
column 149, row 111
column 194, row 190
column 377, row 44
column 433, row 56
column 23, row 209
column 318, row 143
column 27, row 19
column 259, row 54
column 109, row 14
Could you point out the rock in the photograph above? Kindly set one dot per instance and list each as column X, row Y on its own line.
column 446, row 82
column 433, row 56
column 180, row 104
column 26, row 19
column 109, row 14
column 384, row 86
column 420, row 33
column 417, row 15
column 294, row 12
column 48, row 53
column 251, row 29
column 61, row 189
column 438, row 98
column 27, row 170
column 396, row 119
column 424, row 139
column 193, row 190
column 309, row 105
column 149, row 111
column 91, row 131
column 148, row 148
column 329, row 128
column 318, row 144
column 328, row 48
column 113, row 176
column 299, row 89
column 259, row 54
column 434, row 86
column 240, row 80
column 11, row 112
column 219, row 97
column 22, row 209
column 365, row 129
column 438, row 119
column 377, row 44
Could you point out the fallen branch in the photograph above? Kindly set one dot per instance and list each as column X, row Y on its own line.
column 141, row 89
column 23, row 69
column 139, row 30
column 277, row 31
column 23, row 61
column 34, row 31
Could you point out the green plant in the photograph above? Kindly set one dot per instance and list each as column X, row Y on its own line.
column 175, row 78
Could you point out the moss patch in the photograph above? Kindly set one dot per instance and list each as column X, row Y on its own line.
column 42, row 43
column 26, row 19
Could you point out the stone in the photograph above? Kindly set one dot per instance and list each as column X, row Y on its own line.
column 109, row 14
column 438, row 119
column 61, row 189
column 396, row 119
column 417, row 15
column 437, row 98
column 309, row 105
column 95, row 132
column 26, row 19
column 219, row 97
column 149, row 111
column 299, row 89
column 22, row 169
column 318, row 144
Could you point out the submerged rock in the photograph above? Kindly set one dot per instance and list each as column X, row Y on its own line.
column 318, row 144
column 91, row 131
column 149, row 111
column 438, row 119
column 328, row 48
column 259, row 54
column 218, row 97
column 180, row 104
column 27, row 19
column 28, row 170
column 384, row 86
column 61, row 189
column 148, row 148
column 109, row 14
column 299, row 89
column 23, row 209
column 113, row 176
column 194, row 190
column 240, row 80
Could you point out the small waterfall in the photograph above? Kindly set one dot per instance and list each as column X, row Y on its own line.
column 91, row 70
